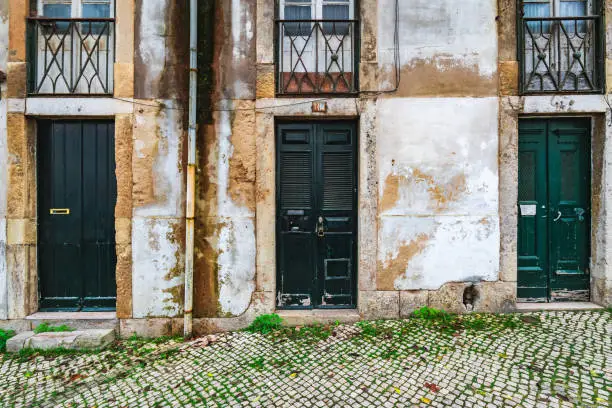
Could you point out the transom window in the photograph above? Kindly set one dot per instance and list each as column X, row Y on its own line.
column 555, row 8
column 76, row 8
column 317, row 10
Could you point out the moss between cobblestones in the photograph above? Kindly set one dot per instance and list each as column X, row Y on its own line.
column 536, row 359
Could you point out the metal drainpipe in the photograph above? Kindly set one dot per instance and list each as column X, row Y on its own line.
column 191, row 164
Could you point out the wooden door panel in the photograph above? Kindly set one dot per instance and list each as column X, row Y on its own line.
column 316, row 215
column 532, row 212
column 337, row 189
column 76, row 201
column 569, row 180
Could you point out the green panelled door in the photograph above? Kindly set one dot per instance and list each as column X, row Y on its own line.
column 316, row 214
column 77, row 193
column 554, row 209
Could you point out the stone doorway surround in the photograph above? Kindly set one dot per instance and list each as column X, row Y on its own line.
column 21, row 133
column 592, row 106
column 22, row 269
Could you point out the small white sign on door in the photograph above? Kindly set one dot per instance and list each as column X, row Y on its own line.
column 528, row 210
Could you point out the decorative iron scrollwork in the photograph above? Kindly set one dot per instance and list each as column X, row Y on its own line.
column 561, row 54
column 317, row 56
column 71, row 56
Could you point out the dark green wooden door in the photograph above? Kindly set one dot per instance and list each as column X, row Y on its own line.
column 554, row 209
column 316, row 214
column 77, row 193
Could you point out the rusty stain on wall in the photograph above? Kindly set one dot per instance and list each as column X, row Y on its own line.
column 441, row 193
column 391, row 269
column 242, row 161
column 162, row 49
column 206, row 267
column 444, row 75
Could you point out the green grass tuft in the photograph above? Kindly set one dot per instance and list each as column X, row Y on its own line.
column 4, row 336
column 430, row 313
column 46, row 328
column 265, row 324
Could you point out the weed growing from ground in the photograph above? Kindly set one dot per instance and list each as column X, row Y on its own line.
column 46, row 328
column 28, row 353
column 257, row 363
column 4, row 336
column 265, row 324
column 430, row 313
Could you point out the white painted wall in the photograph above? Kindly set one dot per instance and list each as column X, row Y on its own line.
column 3, row 160
column 430, row 146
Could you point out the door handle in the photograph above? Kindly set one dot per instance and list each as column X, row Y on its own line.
column 59, row 211
column 558, row 216
column 320, row 228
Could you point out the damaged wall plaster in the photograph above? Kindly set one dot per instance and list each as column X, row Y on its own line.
column 158, row 233
column 158, row 210
column 236, row 246
column 447, row 48
column 438, row 186
column 4, row 28
column 226, row 204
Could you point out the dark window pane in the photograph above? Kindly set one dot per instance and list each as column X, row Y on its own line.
column 573, row 9
column 96, row 11
column 57, row 11
column 297, row 13
column 537, row 10
column 336, row 12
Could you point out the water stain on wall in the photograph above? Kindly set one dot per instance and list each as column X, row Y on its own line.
column 441, row 193
column 445, row 75
column 391, row 269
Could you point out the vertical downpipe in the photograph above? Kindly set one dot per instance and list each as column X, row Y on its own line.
column 191, row 163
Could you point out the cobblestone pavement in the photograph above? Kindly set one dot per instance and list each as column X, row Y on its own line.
column 557, row 359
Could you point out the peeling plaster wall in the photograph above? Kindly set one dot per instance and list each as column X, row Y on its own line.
column 157, row 226
column 3, row 159
column 438, row 186
column 225, row 269
column 159, row 133
column 236, row 245
column 447, row 47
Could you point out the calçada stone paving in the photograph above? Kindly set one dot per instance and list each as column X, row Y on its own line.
column 547, row 359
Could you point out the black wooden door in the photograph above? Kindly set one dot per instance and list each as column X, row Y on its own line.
column 77, row 192
column 316, row 214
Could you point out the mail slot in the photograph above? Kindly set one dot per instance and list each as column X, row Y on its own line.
column 59, row 211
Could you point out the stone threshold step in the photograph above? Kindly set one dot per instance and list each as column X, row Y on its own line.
column 74, row 340
column 322, row 316
column 564, row 306
column 75, row 320
column 72, row 316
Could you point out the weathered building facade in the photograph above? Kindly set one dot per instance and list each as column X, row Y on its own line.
column 355, row 159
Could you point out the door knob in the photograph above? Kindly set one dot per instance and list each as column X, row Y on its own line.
column 558, row 216
column 320, row 229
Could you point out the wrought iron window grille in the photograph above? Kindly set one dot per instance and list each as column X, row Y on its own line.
column 561, row 54
column 71, row 56
column 317, row 56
